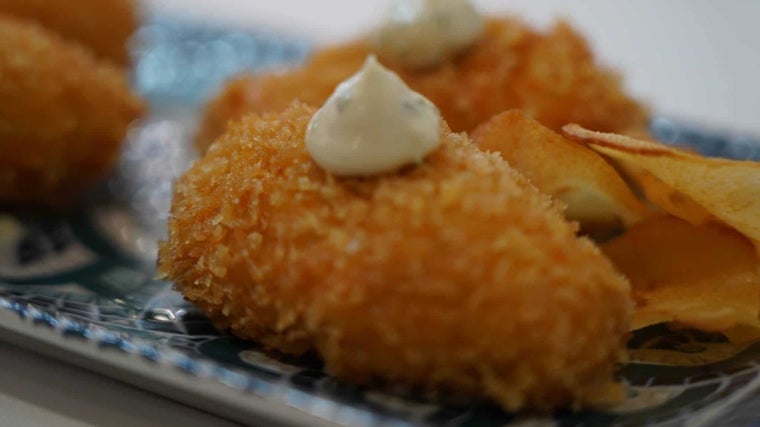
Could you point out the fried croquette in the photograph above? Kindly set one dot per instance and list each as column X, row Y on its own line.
column 103, row 26
column 63, row 115
column 454, row 275
column 552, row 77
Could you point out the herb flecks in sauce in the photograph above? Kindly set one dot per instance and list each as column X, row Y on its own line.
column 373, row 124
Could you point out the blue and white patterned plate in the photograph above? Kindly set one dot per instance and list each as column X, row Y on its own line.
column 81, row 286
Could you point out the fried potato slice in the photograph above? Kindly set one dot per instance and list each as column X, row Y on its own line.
column 669, row 199
column 703, row 277
column 729, row 190
column 595, row 195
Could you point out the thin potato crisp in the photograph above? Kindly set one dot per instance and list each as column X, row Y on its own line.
column 727, row 189
column 703, row 277
column 595, row 195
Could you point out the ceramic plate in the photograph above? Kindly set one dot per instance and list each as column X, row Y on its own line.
column 81, row 286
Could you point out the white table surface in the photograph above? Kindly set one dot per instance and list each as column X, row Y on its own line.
column 696, row 59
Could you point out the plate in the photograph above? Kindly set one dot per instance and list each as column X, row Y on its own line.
column 81, row 286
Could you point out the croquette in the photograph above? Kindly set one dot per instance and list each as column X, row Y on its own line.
column 63, row 115
column 455, row 275
column 553, row 77
column 103, row 26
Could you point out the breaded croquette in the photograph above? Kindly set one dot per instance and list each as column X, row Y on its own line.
column 454, row 275
column 103, row 26
column 552, row 77
column 63, row 115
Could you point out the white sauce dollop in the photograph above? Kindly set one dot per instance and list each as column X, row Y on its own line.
column 423, row 33
column 372, row 124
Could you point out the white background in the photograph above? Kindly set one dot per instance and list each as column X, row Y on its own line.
column 696, row 59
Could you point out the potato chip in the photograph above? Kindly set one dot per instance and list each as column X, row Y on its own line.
column 729, row 190
column 703, row 277
column 669, row 199
column 595, row 195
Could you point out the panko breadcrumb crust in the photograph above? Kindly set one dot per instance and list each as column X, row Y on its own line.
column 455, row 275
column 553, row 77
column 102, row 26
column 63, row 115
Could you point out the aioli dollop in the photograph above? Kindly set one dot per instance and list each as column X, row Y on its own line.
column 423, row 33
column 372, row 124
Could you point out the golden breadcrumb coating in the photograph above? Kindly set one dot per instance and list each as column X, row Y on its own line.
column 454, row 275
column 63, row 115
column 103, row 26
column 552, row 77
